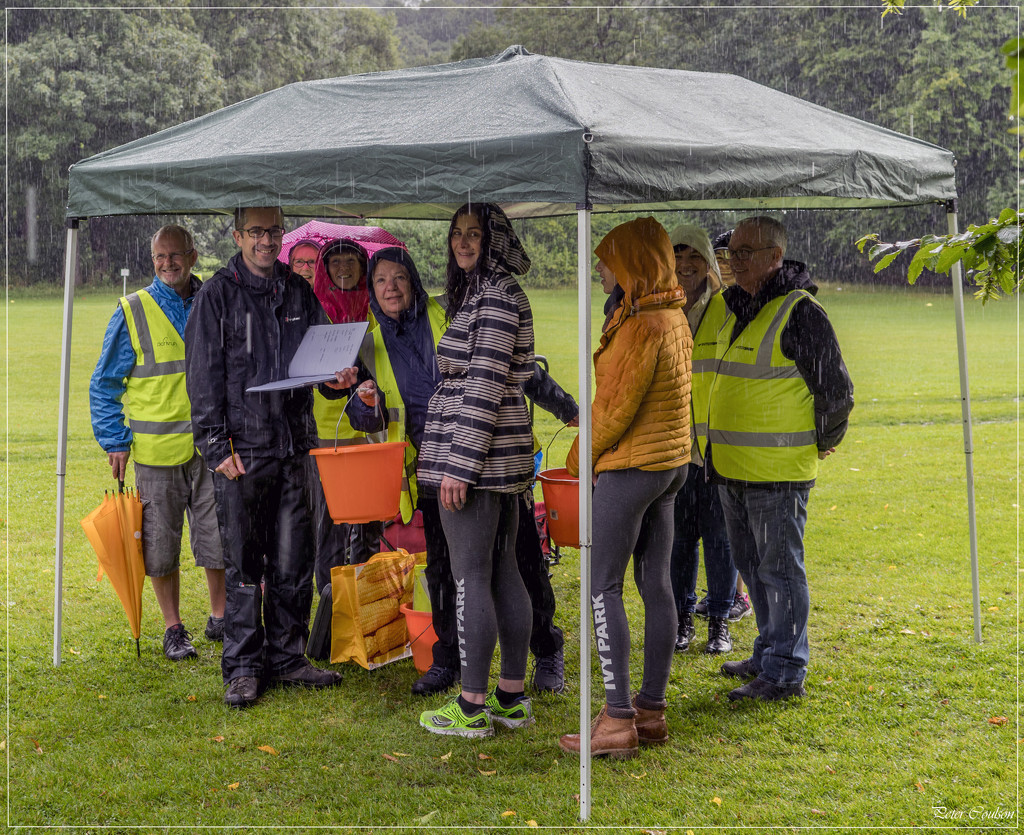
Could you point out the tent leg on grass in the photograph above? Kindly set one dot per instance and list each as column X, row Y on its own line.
column 586, row 520
column 70, row 261
column 965, row 407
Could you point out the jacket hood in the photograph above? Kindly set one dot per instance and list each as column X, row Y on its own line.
column 687, row 234
column 341, row 305
column 792, row 275
column 419, row 295
column 640, row 254
column 504, row 252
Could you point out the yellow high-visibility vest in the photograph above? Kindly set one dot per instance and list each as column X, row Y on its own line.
column 705, row 358
column 156, row 402
column 331, row 421
column 379, row 365
column 760, row 410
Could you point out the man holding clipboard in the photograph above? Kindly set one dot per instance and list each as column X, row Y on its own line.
column 247, row 324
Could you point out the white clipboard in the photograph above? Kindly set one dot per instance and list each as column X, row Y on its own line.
column 324, row 349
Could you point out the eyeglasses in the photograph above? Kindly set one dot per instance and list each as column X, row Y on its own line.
column 743, row 254
column 258, row 232
column 303, row 262
column 171, row 256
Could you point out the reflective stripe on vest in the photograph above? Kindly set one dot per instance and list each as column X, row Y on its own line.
column 156, row 402
column 379, row 365
column 705, row 361
column 760, row 410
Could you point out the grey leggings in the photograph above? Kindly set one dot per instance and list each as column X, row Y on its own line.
column 491, row 602
column 633, row 514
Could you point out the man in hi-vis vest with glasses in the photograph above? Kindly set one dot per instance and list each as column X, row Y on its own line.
column 140, row 407
column 771, row 399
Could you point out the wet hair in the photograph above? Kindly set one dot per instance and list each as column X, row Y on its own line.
column 772, row 231
column 242, row 211
column 171, row 229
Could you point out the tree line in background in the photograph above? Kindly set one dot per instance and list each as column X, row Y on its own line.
column 81, row 81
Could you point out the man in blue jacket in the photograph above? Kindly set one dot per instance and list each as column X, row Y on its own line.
column 140, row 375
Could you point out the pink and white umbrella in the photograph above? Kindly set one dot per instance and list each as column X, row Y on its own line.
column 371, row 238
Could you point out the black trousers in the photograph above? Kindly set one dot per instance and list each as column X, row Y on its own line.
column 266, row 531
column 545, row 637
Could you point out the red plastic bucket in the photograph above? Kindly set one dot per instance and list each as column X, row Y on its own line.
column 362, row 482
column 422, row 636
column 562, row 500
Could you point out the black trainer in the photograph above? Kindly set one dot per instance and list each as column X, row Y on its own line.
column 686, row 632
column 766, row 691
column 306, row 675
column 701, row 609
column 549, row 673
column 178, row 643
column 215, row 628
column 436, row 680
column 719, row 640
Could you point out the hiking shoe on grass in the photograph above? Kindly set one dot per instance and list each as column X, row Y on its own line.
column 215, row 628
column 740, row 607
column 740, row 669
column 518, row 715
column 436, row 680
column 549, row 673
column 701, row 609
column 306, row 675
column 242, row 692
column 451, row 721
column 766, row 691
column 178, row 643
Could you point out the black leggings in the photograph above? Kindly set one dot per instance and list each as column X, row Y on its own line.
column 491, row 603
column 633, row 514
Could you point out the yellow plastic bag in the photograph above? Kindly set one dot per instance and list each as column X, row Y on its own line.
column 366, row 624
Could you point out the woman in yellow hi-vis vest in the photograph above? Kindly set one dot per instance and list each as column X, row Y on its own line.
column 340, row 284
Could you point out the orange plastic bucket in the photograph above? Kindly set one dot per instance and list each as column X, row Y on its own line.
column 562, row 500
column 422, row 636
column 362, row 482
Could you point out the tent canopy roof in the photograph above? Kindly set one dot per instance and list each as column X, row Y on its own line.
column 539, row 135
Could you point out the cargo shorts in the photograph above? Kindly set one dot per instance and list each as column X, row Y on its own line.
column 169, row 494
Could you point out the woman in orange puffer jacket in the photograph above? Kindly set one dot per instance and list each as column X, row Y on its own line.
column 641, row 449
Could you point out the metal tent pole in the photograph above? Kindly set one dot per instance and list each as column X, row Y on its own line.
column 70, row 260
column 956, row 273
column 586, row 521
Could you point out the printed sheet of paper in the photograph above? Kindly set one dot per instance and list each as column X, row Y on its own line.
column 323, row 350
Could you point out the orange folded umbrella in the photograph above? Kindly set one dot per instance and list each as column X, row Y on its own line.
column 115, row 531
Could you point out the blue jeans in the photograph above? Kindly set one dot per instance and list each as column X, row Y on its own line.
column 699, row 518
column 766, row 531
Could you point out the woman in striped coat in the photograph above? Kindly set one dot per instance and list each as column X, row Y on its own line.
column 477, row 453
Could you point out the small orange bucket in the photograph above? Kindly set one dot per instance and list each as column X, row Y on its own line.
column 421, row 634
column 362, row 482
column 562, row 500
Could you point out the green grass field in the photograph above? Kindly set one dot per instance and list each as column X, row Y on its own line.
column 902, row 724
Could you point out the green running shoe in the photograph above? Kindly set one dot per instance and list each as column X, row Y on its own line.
column 520, row 715
column 451, row 721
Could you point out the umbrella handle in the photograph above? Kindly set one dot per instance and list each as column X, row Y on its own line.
column 120, row 485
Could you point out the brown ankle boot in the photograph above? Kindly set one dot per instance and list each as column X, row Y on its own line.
column 615, row 738
column 651, row 728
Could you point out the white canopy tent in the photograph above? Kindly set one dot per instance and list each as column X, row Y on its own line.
column 541, row 136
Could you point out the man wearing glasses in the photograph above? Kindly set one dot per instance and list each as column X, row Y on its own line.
column 778, row 402
column 140, row 376
column 247, row 323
